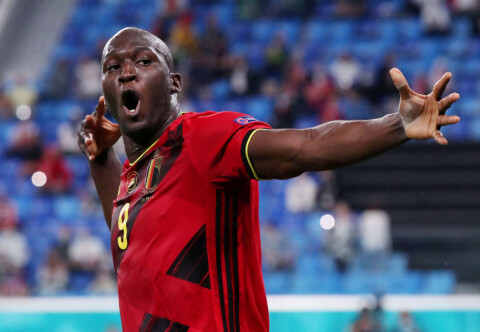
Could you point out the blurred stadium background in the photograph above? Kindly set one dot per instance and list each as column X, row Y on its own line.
column 398, row 235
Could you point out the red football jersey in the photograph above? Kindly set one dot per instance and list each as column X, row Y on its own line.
column 185, row 231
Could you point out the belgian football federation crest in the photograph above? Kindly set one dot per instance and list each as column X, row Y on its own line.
column 153, row 173
column 131, row 181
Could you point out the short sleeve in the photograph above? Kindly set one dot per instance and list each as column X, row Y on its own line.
column 217, row 144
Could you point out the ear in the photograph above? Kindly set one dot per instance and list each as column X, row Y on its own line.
column 176, row 80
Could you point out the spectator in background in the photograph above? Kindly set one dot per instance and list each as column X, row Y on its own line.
column 239, row 78
column 87, row 252
column 374, row 238
column 22, row 92
column 63, row 240
column 67, row 133
column 321, row 96
column 277, row 252
column 8, row 210
column 25, row 143
column 104, row 282
column 14, row 256
column 86, row 78
column 59, row 175
column 340, row 240
column 213, row 48
column 350, row 8
column 345, row 71
column 59, row 82
column 435, row 16
column 183, row 41
column 327, row 192
column 53, row 276
column 366, row 322
column 301, row 194
column 276, row 57
column 383, row 87
column 406, row 323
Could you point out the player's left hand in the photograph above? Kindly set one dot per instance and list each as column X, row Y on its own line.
column 423, row 115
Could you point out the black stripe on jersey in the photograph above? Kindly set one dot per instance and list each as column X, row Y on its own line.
column 192, row 263
column 151, row 323
column 228, row 255
column 236, row 284
column 218, row 245
column 228, row 269
column 244, row 154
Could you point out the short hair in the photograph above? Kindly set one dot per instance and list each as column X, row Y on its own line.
column 150, row 39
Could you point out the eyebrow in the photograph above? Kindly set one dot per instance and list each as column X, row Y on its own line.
column 135, row 48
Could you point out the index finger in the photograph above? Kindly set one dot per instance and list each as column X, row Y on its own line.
column 400, row 83
column 100, row 109
column 440, row 86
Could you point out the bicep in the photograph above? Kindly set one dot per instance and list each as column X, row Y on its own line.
column 277, row 153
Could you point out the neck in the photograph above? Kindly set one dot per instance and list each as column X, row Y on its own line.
column 135, row 147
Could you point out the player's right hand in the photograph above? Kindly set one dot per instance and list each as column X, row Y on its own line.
column 96, row 133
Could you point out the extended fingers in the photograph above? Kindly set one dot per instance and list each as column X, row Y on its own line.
column 445, row 120
column 400, row 83
column 440, row 86
column 438, row 137
column 446, row 102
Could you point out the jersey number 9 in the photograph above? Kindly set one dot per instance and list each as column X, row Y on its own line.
column 122, row 226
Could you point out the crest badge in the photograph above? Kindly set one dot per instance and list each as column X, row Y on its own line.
column 131, row 181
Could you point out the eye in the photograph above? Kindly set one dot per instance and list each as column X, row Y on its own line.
column 113, row 67
column 144, row 62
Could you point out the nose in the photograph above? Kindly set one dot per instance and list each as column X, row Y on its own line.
column 128, row 73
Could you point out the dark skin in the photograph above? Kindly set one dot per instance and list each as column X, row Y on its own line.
column 135, row 60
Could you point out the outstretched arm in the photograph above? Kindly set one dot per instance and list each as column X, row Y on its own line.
column 95, row 139
column 285, row 153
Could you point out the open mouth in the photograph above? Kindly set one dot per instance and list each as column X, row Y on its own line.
column 130, row 100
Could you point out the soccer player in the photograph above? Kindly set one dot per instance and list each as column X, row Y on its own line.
column 183, row 209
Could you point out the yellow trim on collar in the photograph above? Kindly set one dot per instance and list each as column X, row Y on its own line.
column 131, row 164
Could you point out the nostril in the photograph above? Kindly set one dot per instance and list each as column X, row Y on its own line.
column 127, row 77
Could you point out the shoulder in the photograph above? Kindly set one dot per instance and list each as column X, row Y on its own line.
column 226, row 118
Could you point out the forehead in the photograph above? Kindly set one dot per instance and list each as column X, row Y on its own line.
column 130, row 41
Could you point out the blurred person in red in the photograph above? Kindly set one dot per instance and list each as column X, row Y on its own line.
column 8, row 209
column 57, row 171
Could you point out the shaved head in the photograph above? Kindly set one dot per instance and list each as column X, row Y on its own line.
column 143, row 37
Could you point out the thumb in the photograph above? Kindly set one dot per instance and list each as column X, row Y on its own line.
column 400, row 83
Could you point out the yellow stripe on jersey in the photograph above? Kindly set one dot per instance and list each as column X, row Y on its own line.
column 248, row 157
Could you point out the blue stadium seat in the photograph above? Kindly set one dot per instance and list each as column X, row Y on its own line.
column 277, row 282
column 220, row 90
column 260, row 108
column 66, row 208
column 439, row 282
column 263, row 31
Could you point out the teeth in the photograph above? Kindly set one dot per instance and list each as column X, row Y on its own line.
column 131, row 111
